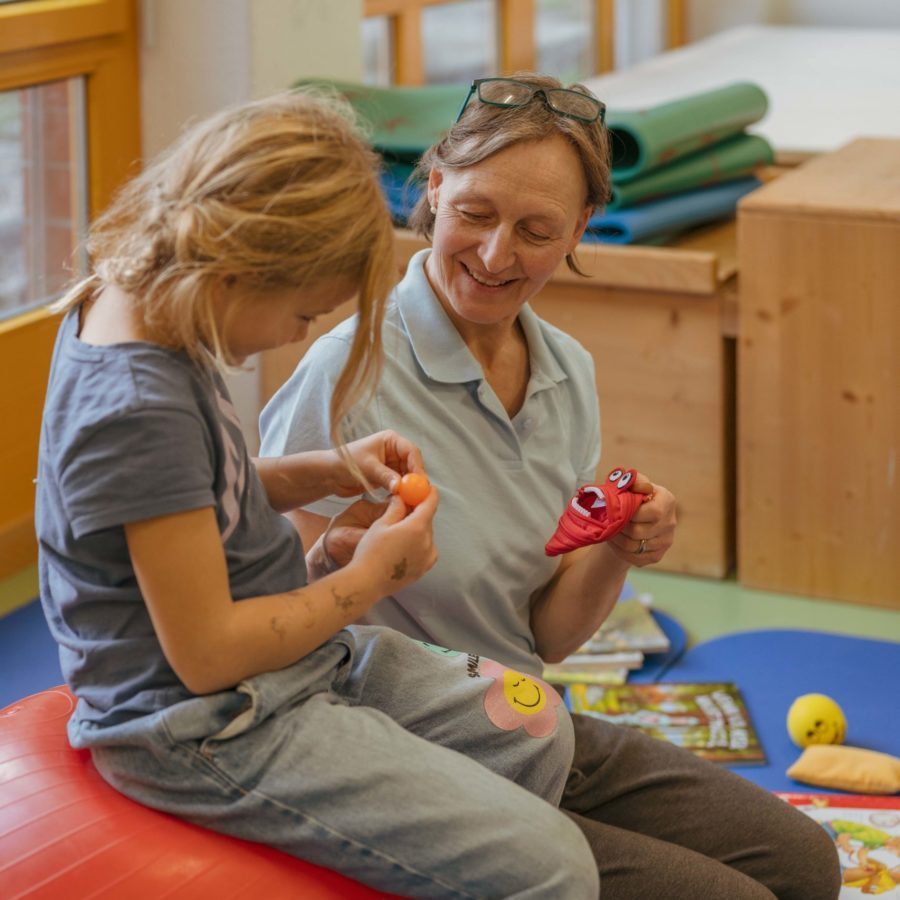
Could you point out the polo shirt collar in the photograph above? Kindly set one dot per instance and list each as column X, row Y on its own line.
column 439, row 347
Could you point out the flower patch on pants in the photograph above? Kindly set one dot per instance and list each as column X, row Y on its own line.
column 516, row 700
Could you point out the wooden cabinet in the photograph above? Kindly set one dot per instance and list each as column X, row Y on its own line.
column 656, row 321
column 819, row 378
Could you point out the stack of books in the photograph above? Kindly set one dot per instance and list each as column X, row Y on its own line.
column 617, row 647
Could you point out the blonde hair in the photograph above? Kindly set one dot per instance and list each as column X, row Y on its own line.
column 278, row 193
column 485, row 130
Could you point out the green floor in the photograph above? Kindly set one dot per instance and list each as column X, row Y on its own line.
column 706, row 608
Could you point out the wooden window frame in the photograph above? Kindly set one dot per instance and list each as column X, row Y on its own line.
column 43, row 41
column 517, row 49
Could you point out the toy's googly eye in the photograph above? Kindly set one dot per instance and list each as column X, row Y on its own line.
column 624, row 481
column 615, row 475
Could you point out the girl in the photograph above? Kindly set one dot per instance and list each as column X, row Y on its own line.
column 218, row 675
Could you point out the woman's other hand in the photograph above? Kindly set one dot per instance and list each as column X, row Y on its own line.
column 336, row 546
column 647, row 537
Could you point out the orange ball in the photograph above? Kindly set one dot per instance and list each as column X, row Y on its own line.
column 413, row 488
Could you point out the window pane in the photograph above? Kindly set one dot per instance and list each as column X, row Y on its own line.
column 376, row 39
column 460, row 41
column 43, row 191
column 564, row 45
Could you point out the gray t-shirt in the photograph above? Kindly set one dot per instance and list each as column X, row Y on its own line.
column 133, row 431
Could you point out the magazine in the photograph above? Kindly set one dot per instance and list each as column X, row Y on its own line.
column 630, row 626
column 866, row 834
column 709, row 719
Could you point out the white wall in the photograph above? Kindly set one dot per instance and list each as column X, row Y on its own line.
column 706, row 17
column 198, row 56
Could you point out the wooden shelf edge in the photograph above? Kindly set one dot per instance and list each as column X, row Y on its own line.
column 667, row 269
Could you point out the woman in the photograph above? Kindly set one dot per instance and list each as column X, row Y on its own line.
column 504, row 408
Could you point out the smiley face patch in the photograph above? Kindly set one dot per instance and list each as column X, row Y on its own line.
column 516, row 700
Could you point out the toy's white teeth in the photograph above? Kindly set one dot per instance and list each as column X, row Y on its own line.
column 578, row 508
column 598, row 503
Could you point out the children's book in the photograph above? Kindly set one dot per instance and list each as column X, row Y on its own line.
column 630, row 626
column 710, row 720
column 560, row 674
column 866, row 834
column 617, row 659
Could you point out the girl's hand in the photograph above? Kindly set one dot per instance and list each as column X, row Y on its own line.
column 382, row 457
column 399, row 547
column 647, row 537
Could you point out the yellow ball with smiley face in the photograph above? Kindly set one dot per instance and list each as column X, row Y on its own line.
column 816, row 719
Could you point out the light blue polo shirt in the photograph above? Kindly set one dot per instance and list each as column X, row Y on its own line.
column 503, row 482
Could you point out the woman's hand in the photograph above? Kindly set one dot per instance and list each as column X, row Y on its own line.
column 399, row 546
column 382, row 458
column 336, row 545
column 647, row 537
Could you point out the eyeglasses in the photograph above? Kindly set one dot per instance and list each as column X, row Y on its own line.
column 511, row 93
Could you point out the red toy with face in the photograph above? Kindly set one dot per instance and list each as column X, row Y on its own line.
column 597, row 513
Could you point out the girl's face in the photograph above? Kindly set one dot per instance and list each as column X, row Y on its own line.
column 503, row 226
column 252, row 321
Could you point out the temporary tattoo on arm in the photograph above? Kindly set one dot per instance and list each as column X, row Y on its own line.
column 399, row 571
column 278, row 627
column 343, row 601
column 292, row 598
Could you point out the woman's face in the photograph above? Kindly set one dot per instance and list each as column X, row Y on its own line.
column 503, row 226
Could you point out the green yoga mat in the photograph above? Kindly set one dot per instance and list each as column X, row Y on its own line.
column 647, row 138
column 731, row 158
column 404, row 121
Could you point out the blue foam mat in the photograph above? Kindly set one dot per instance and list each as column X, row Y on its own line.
column 29, row 657
column 773, row 668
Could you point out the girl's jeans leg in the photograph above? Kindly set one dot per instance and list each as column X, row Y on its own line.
column 348, row 780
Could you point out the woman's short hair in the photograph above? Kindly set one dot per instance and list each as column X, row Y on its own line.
column 278, row 193
column 484, row 130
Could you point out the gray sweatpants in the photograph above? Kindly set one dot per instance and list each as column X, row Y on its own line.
column 421, row 771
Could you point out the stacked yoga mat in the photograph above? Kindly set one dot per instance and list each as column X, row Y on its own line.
column 681, row 164
column 674, row 166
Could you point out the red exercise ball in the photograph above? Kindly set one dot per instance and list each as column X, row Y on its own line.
column 65, row 833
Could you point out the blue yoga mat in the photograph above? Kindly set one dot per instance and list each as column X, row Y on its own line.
column 773, row 668
column 680, row 211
